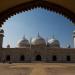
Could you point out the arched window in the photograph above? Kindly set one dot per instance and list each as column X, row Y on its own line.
column 8, row 58
column 38, row 58
column 54, row 58
column 22, row 58
column 68, row 58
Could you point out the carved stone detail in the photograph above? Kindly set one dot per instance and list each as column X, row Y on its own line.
column 33, row 4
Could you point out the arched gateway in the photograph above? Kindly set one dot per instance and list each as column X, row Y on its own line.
column 38, row 58
column 30, row 4
column 49, row 54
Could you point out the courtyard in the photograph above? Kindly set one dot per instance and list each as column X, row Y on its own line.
column 39, row 68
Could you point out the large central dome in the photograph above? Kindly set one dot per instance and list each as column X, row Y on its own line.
column 38, row 40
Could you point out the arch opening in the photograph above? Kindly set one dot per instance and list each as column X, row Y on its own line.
column 54, row 58
column 68, row 58
column 38, row 58
column 22, row 58
column 43, row 19
column 8, row 58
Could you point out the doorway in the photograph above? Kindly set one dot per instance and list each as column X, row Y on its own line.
column 22, row 58
column 8, row 58
column 38, row 58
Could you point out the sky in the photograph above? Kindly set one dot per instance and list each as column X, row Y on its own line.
column 30, row 22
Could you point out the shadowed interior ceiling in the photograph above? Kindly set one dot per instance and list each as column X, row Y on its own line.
column 9, row 8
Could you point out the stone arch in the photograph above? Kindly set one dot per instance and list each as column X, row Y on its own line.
column 54, row 58
column 7, row 57
column 68, row 58
column 38, row 58
column 22, row 58
column 34, row 4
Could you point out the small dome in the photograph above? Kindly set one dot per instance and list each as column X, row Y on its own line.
column 38, row 40
column 53, row 42
column 8, row 46
column 23, row 43
column 74, row 31
column 68, row 46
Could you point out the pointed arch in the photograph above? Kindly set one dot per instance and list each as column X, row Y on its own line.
column 34, row 4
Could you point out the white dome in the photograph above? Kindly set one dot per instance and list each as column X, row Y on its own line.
column 23, row 43
column 38, row 40
column 53, row 42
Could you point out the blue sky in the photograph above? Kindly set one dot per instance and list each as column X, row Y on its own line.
column 29, row 23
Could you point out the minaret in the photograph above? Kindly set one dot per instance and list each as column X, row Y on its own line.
column 74, row 38
column 1, row 37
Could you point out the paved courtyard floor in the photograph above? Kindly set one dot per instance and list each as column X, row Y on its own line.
column 37, row 69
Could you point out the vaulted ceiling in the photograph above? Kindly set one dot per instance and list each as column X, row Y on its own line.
column 64, row 7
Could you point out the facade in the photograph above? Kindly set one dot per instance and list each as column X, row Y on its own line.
column 37, row 50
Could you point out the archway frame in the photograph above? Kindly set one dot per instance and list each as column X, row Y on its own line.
column 34, row 4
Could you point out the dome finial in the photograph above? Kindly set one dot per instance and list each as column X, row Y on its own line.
column 38, row 34
column 53, row 36
column 24, row 37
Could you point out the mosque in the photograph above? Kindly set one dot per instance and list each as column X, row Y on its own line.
column 37, row 50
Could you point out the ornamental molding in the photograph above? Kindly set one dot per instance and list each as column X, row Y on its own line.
column 34, row 4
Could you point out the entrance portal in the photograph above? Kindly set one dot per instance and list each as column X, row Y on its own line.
column 38, row 58
column 8, row 58
column 22, row 58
